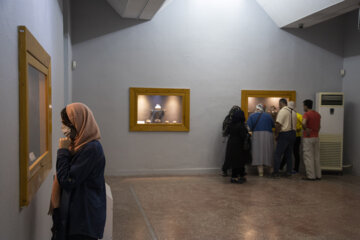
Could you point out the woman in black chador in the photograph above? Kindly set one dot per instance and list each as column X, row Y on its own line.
column 226, row 132
column 238, row 153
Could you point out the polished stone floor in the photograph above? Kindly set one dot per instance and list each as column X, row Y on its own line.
column 210, row 207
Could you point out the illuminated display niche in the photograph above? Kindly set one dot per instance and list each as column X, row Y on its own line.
column 270, row 100
column 159, row 109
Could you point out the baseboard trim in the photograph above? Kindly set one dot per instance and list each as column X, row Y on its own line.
column 163, row 172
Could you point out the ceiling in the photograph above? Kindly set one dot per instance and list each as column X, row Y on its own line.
column 137, row 9
column 305, row 13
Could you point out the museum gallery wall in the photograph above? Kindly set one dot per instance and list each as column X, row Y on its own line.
column 216, row 53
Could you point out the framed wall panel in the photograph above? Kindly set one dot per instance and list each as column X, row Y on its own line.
column 35, row 115
column 159, row 109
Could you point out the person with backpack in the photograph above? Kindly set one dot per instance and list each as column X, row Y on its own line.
column 261, row 124
column 238, row 150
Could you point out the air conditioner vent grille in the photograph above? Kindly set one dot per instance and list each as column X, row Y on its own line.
column 331, row 99
column 331, row 152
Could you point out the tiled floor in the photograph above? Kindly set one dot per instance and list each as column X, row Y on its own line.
column 209, row 207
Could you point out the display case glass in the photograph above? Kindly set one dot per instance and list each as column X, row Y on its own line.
column 271, row 105
column 35, row 115
column 37, row 118
column 270, row 100
column 158, row 109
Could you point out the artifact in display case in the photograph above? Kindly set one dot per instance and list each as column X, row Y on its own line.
column 269, row 99
column 156, row 114
column 35, row 115
column 158, row 109
column 273, row 112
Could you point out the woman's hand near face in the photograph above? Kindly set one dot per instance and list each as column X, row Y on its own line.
column 64, row 143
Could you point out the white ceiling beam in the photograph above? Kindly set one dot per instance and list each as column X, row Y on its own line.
column 136, row 9
column 305, row 13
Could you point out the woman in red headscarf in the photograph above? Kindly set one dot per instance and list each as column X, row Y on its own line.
column 78, row 199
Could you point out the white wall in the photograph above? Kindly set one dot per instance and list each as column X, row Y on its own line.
column 351, row 87
column 215, row 48
column 44, row 19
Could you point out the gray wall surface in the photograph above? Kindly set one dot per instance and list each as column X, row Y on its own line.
column 215, row 48
column 67, row 52
column 352, row 35
column 351, row 87
column 44, row 19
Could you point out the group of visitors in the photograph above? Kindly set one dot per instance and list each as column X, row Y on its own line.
column 253, row 141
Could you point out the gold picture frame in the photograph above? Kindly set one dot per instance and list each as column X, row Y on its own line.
column 245, row 94
column 183, row 99
column 35, row 115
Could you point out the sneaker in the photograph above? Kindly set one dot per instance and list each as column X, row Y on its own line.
column 294, row 172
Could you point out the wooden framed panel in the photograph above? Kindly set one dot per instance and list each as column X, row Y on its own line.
column 159, row 109
column 35, row 115
column 248, row 94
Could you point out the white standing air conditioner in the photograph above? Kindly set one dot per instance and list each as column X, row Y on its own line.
column 331, row 108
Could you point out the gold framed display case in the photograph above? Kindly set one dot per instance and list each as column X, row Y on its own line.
column 159, row 109
column 35, row 114
column 270, row 99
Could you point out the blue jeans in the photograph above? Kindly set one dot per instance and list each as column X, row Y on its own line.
column 285, row 146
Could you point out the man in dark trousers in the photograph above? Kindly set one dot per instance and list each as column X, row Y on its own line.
column 285, row 135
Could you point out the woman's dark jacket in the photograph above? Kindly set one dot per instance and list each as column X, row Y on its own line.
column 236, row 156
column 83, row 197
